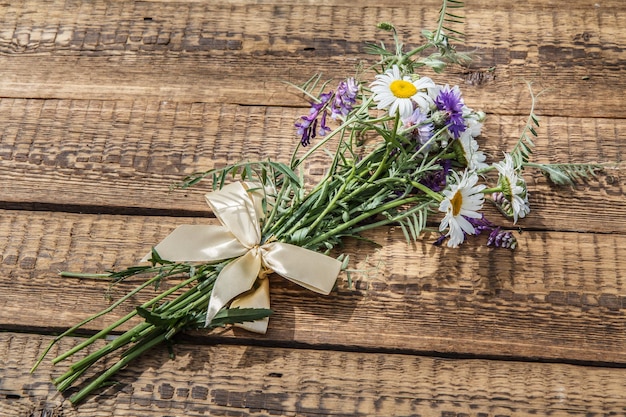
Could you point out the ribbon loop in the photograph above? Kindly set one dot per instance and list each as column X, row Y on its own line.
column 239, row 237
column 235, row 210
column 199, row 243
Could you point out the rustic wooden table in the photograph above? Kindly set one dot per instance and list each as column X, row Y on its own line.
column 104, row 104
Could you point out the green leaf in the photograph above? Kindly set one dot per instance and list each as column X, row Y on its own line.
column 155, row 319
column 155, row 258
column 556, row 175
column 239, row 315
column 299, row 235
column 286, row 171
column 344, row 262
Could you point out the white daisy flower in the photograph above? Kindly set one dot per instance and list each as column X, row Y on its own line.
column 474, row 158
column 398, row 93
column 463, row 199
column 474, row 121
column 513, row 188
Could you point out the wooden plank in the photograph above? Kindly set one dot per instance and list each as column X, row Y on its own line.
column 558, row 296
column 259, row 381
column 170, row 51
column 105, row 103
column 125, row 156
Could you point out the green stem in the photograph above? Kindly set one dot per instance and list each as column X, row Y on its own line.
column 89, row 319
column 352, row 222
column 190, row 298
column 486, row 169
column 333, row 202
column 270, row 218
column 121, row 321
column 296, row 216
column 77, row 369
column 417, row 50
column 435, row 196
column 98, row 382
column 381, row 166
column 492, row 190
column 380, row 223
column 102, row 333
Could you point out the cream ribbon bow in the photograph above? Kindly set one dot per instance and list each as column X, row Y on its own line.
column 239, row 236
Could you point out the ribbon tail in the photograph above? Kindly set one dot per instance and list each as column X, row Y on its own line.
column 312, row 270
column 236, row 278
column 198, row 243
column 259, row 298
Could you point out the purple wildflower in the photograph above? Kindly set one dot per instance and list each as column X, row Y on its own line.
column 440, row 240
column 497, row 237
column 449, row 102
column 345, row 98
column 424, row 131
column 502, row 239
column 339, row 103
column 436, row 180
column 481, row 224
column 307, row 126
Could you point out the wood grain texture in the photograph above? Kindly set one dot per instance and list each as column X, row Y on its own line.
column 179, row 51
column 558, row 296
column 224, row 380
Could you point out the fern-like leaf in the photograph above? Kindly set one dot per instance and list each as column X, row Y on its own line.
column 412, row 221
column 444, row 29
column 567, row 174
column 523, row 149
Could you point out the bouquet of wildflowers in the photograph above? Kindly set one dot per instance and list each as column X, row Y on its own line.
column 403, row 150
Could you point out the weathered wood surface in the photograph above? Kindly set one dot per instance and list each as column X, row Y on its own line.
column 105, row 104
column 226, row 380
column 179, row 51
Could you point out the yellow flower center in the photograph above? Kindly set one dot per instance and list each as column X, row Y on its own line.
column 456, row 201
column 403, row 89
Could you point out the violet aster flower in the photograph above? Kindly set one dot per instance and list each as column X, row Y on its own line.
column 449, row 102
column 345, row 98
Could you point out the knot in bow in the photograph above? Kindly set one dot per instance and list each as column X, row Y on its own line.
column 239, row 238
